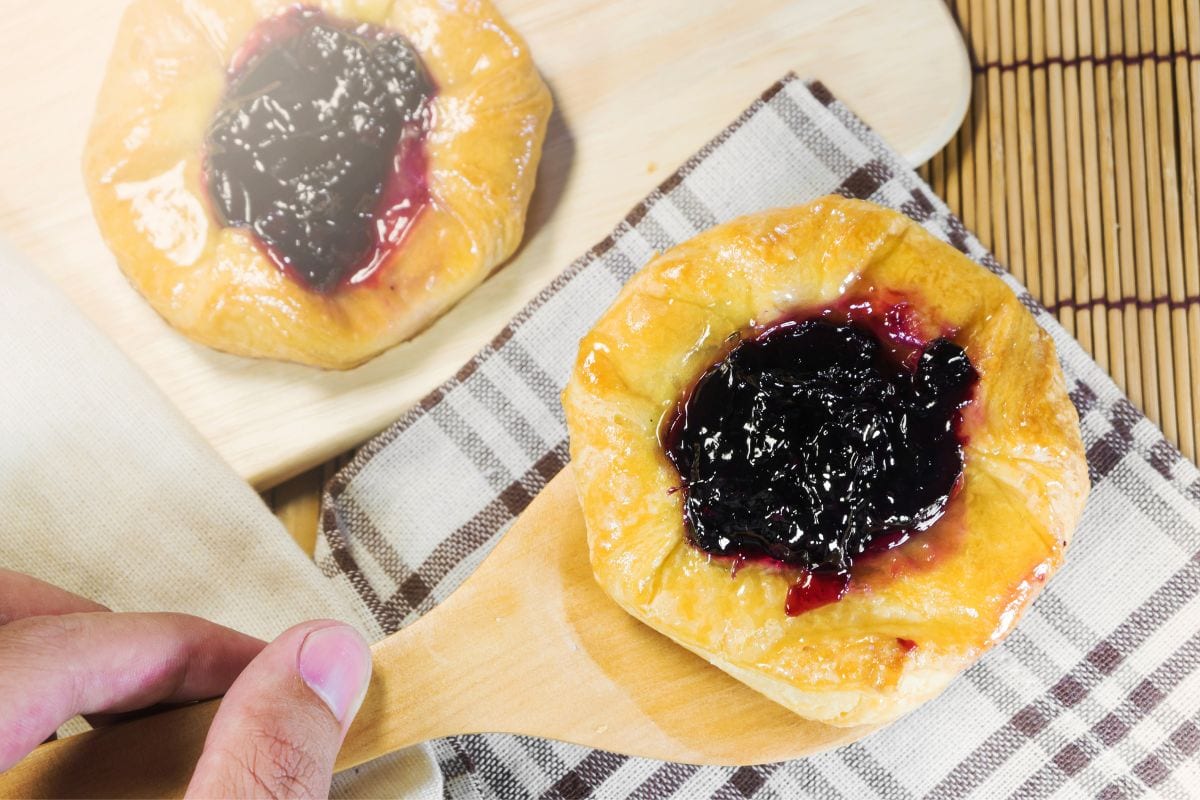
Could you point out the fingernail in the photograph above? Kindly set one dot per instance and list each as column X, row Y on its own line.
column 336, row 664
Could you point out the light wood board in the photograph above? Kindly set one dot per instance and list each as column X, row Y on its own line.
column 639, row 85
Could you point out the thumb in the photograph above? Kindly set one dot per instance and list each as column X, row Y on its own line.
column 280, row 726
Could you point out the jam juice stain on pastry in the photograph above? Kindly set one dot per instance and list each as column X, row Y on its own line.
column 812, row 440
column 315, row 182
column 826, row 452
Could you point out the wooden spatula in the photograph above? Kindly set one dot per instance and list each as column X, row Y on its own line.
column 529, row 644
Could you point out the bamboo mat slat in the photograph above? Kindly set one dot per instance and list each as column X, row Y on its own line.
column 1077, row 165
column 1125, row 287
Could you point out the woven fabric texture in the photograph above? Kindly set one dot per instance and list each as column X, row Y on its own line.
column 1097, row 692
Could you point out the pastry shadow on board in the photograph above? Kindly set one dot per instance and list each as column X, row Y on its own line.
column 554, row 170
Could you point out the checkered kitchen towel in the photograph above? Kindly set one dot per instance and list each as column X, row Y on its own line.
column 1096, row 693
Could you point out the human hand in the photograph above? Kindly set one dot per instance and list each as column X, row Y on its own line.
column 287, row 704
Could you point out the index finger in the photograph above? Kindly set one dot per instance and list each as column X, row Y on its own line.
column 52, row 668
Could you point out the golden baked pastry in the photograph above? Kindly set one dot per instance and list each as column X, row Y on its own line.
column 828, row 453
column 313, row 183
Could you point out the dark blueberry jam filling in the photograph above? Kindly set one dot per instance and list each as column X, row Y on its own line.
column 318, row 145
column 815, row 442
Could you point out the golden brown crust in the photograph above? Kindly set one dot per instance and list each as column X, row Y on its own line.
column 142, row 165
column 954, row 590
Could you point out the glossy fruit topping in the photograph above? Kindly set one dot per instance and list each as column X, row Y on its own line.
column 318, row 145
column 813, row 440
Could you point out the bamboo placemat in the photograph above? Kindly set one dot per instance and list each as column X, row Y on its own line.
column 1077, row 166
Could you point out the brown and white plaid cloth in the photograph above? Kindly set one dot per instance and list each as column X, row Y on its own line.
column 1096, row 693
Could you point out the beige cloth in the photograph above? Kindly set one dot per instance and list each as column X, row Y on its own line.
column 108, row 492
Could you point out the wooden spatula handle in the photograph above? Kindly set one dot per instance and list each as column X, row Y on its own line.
column 464, row 667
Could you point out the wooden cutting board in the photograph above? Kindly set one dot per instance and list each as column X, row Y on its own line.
column 639, row 85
